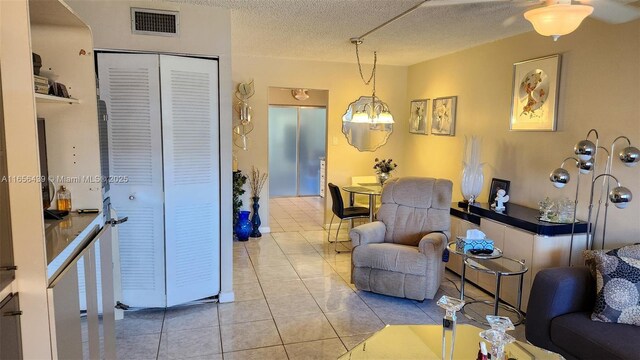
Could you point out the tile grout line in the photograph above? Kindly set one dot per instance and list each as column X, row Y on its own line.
column 164, row 315
column 267, row 302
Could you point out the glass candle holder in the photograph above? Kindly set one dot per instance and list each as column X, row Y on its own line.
column 451, row 306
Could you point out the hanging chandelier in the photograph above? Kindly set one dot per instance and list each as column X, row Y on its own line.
column 376, row 111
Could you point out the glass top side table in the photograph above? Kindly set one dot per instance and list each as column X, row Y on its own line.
column 452, row 247
column 504, row 267
column 498, row 266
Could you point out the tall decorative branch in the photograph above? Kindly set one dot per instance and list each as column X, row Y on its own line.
column 257, row 182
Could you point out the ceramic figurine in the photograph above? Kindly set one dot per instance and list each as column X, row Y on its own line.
column 501, row 198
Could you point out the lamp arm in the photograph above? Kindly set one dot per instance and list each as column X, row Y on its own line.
column 575, row 207
column 591, row 229
column 608, row 170
column 613, row 144
column 604, row 181
column 570, row 158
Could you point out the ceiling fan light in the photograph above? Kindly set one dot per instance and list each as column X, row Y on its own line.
column 559, row 19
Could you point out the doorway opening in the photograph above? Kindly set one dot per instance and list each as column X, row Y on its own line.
column 297, row 143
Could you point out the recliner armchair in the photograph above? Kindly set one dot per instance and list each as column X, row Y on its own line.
column 401, row 253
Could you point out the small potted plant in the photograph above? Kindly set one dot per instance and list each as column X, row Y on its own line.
column 383, row 169
column 241, row 223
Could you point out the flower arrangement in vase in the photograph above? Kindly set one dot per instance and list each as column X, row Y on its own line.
column 383, row 169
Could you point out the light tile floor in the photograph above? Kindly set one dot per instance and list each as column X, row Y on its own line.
column 293, row 301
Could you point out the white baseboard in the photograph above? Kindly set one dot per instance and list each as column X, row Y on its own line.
column 265, row 229
column 226, row 297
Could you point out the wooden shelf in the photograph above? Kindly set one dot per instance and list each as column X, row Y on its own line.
column 42, row 98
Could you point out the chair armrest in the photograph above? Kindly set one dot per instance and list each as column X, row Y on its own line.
column 372, row 232
column 433, row 243
column 556, row 292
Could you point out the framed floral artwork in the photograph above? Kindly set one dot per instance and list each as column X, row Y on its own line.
column 535, row 94
column 443, row 116
column 418, row 119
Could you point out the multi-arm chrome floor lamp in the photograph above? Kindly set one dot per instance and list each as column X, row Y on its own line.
column 587, row 161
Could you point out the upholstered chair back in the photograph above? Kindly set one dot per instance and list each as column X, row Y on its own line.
column 413, row 206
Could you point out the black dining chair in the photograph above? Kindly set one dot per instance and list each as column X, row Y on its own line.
column 344, row 213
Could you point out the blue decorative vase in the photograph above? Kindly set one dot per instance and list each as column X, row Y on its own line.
column 243, row 226
column 255, row 218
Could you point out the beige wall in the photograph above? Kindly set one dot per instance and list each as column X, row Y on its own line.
column 344, row 85
column 599, row 89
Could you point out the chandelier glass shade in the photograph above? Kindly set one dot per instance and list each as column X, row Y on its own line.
column 374, row 112
column 557, row 20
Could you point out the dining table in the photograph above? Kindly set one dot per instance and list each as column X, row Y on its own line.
column 370, row 189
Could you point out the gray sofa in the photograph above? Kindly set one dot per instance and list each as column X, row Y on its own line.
column 559, row 318
column 401, row 253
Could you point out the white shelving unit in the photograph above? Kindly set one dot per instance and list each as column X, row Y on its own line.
column 52, row 30
column 42, row 98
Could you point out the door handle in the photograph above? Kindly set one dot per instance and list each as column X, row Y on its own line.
column 114, row 222
column 8, row 268
column 12, row 313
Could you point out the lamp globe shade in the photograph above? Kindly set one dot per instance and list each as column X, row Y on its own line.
column 585, row 149
column 585, row 166
column 559, row 177
column 620, row 196
column 630, row 156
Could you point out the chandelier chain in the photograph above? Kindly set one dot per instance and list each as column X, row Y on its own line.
column 373, row 71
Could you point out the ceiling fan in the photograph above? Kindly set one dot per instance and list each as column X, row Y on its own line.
column 553, row 18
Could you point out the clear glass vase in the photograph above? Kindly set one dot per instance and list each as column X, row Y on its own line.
column 383, row 177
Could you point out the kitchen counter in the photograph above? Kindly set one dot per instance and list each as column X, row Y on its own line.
column 67, row 237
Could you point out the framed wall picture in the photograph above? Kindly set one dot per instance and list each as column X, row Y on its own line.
column 418, row 119
column 497, row 184
column 443, row 116
column 535, row 94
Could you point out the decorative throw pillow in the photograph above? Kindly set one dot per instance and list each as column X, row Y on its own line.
column 630, row 251
column 618, row 289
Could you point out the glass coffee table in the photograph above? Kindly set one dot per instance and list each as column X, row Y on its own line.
column 425, row 342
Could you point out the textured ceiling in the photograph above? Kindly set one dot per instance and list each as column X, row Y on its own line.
column 320, row 29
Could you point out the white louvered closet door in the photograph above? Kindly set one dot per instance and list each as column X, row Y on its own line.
column 129, row 84
column 191, row 177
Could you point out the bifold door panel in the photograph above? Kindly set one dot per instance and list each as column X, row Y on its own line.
column 163, row 138
column 191, row 177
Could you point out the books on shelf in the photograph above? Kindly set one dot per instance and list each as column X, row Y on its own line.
column 41, row 84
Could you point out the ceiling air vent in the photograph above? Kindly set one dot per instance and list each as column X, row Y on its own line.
column 154, row 22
